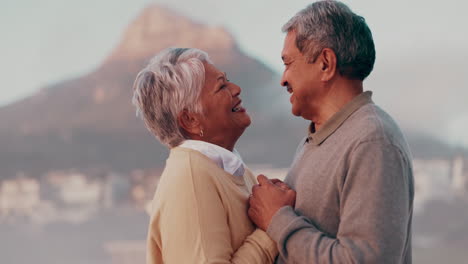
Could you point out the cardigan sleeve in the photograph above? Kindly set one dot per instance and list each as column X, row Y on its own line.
column 195, row 229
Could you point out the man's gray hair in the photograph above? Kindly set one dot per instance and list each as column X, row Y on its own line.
column 172, row 82
column 331, row 24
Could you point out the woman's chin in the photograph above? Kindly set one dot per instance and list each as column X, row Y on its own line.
column 247, row 121
column 242, row 125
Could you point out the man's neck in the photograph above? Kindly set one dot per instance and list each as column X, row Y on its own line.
column 340, row 93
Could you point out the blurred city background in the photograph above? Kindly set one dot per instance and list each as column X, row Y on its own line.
column 77, row 168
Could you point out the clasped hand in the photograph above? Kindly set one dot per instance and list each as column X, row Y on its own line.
column 267, row 197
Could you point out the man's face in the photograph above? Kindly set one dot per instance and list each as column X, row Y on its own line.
column 302, row 79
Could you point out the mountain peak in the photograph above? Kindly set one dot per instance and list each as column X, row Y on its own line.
column 159, row 27
column 89, row 121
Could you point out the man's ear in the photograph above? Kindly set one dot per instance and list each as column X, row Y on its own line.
column 327, row 59
column 189, row 122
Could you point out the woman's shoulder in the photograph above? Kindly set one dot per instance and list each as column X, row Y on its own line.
column 190, row 157
column 185, row 168
column 190, row 161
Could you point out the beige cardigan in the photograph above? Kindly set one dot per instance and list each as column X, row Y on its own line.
column 200, row 215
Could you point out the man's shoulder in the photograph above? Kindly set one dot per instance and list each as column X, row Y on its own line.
column 372, row 123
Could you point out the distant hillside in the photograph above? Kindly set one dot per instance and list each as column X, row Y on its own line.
column 89, row 122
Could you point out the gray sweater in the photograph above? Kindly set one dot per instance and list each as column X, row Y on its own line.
column 355, row 192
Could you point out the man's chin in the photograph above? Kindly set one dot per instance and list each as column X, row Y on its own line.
column 295, row 111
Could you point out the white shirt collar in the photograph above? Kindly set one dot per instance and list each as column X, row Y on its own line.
column 229, row 161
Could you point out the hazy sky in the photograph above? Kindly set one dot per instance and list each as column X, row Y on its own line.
column 419, row 75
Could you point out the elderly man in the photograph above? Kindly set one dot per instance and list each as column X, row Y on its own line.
column 352, row 173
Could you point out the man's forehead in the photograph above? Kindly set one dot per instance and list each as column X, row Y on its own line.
column 288, row 46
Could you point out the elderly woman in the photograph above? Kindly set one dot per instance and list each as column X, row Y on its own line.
column 200, row 206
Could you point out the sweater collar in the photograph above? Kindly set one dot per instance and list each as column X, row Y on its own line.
column 229, row 161
column 332, row 124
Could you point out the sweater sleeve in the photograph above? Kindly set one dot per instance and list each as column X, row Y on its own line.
column 375, row 206
column 195, row 229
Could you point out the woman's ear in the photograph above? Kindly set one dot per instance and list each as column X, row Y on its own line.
column 328, row 64
column 189, row 122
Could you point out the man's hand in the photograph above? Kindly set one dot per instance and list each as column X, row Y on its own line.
column 280, row 184
column 267, row 198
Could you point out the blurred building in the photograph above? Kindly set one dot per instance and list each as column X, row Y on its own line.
column 460, row 176
column 19, row 198
column 69, row 196
column 143, row 186
column 440, row 179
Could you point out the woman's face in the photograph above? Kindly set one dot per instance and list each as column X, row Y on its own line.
column 224, row 118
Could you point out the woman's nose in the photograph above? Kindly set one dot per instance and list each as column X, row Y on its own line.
column 235, row 90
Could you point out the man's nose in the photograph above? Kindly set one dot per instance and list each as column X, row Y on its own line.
column 283, row 81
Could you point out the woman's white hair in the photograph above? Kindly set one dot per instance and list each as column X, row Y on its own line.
column 331, row 24
column 169, row 84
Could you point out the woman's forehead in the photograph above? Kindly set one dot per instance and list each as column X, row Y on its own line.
column 212, row 73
